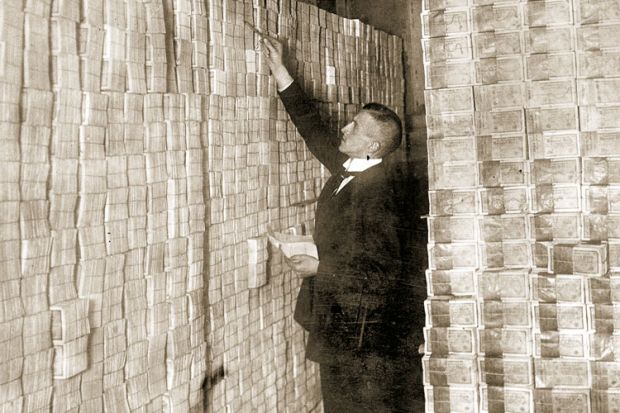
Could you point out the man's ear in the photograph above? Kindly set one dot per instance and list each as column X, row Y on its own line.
column 374, row 147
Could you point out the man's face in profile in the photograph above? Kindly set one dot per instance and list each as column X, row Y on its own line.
column 357, row 141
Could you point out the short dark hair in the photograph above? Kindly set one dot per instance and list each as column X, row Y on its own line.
column 387, row 116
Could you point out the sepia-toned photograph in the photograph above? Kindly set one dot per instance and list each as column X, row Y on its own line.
column 309, row 206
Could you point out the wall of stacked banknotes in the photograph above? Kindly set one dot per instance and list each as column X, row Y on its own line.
column 523, row 105
column 144, row 154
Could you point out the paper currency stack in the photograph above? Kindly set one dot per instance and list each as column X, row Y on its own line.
column 522, row 101
column 144, row 153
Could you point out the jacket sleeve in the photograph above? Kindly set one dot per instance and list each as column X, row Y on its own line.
column 322, row 142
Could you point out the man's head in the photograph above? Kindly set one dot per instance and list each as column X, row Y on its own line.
column 374, row 133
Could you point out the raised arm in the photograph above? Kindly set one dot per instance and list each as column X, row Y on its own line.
column 322, row 142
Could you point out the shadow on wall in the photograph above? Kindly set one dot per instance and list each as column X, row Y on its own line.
column 210, row 381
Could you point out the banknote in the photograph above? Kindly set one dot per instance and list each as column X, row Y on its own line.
column 548, row 13
column 451, row 370
column 440, row 49
column 496, row 18
column 590, row 260
column 596, row 199
column 510, row 370
column 501, row 147
column 551, row 145
column 595, row 171
column 507, row 399
column 599, row 63
column 500, row 200
column 552, row 288
column 591, row 12
column 561, row 400
column 451, row 313
column 601, row 144
column 452, row 175
column 558, row 226
column 432, row 5
column 560, row 344
column 613, row 255
column 443, row 341
column 492, row 201
column 445, row 22
column 551, row 119
column 499, row 96
column 452, row 149
column 604, row 400
column 598, row 91
column 596, row 37
column 449, row 202
column 498, row 314
column 504, row 342
column 555, row 171
column 500, row 285
column 496, row 173
column 451, row 399
column 547, row 66
column 503, row 227
column 451, row 282
column 452, row 124
column 562, row 316
column 557, row 198
column 449, row 74
column 595, row 118
column 494, row 70
column 595, row 227
column 440, row 101
column 517, row 254
column 452, row 229
column 491, row 44
column 548, row 39
column 552, row 92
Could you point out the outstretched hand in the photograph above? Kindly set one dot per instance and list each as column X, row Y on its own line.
column 273, row 51
column 304, row 265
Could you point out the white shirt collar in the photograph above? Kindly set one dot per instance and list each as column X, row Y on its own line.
column 359, row 164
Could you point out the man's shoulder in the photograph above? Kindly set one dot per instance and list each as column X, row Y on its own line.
column 397, row 176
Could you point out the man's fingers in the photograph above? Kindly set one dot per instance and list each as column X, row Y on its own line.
column 290, row 262
column 270, row 47
column 273, row 40
column 300, row 257
column 273, row 44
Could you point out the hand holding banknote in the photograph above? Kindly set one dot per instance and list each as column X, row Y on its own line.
column 299, row 251
column 304, row 265
column 273, row 50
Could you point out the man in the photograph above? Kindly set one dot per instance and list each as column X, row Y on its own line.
column 354, row 300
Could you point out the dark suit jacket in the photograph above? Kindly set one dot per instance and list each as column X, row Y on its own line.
column 356, row 304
